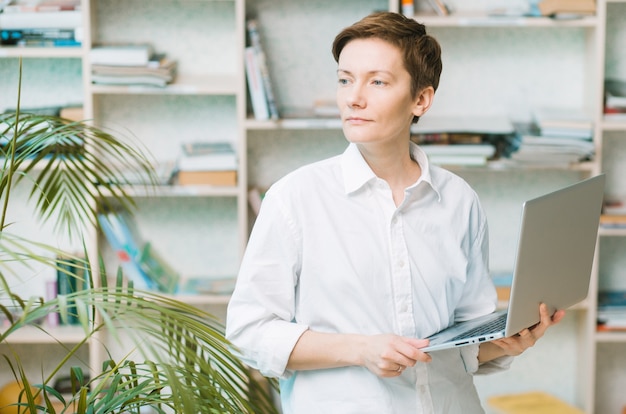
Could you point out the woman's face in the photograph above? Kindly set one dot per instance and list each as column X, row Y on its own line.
column 374, row 92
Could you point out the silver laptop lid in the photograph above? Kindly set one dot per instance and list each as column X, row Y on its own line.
column 555, row 252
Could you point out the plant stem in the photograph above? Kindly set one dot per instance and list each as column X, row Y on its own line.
column 13, row 149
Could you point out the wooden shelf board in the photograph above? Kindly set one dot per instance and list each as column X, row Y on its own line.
column 183, row 85
column 483, row 20
column 41, row 52
column 34, row 335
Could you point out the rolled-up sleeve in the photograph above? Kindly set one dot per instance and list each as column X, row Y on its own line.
column 260, row 317
column 469, row 354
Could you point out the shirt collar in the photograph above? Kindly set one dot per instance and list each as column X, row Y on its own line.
column 356, row 172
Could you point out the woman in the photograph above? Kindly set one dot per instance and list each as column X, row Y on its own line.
column 355, row 258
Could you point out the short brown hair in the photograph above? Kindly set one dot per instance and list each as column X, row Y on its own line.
column 421, row 53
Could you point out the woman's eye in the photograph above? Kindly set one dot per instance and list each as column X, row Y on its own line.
column 343, row 81
column 378, row 82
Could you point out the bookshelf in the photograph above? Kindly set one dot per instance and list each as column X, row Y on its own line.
column 491, row 65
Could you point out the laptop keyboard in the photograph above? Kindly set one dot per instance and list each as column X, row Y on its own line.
column 495, row 325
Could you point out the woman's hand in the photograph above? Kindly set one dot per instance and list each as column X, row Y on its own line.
column 388, row 355
column 516, row 344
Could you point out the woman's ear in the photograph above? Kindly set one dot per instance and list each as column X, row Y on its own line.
column 423, row 101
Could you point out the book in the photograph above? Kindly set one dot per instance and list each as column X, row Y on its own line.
column 612, row 299
column 460, row 154
column 216, row 178
column 255, row 42
column 408, row 7
column 125, row 247
column 72, row 276
column 73, row 113
column 256, row 89
column 502, row 282
column 572, row 8
column 52, row 319
column 121, row 55
column 535, row 402
column 208, row 285
column 533, row 146
column 69, row 19
column 611, row 310
column 484, row 150
column 439, row 7
column 617, row 221
column 614, row 206
column 147, row 80
column 457, row 159
column 26, row 37
column 162, row 67
column 20, row 6
column 255, row 197
column 494, row 125
column 574, row 122
column 139, row 261
column 163, row 277
column 614, row 96
column 158, row 71
column 207, row 156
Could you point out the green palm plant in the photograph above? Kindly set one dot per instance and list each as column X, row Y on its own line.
column 180, row 361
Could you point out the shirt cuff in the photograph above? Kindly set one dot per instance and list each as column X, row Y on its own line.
column 469, row 354
column 276, row 346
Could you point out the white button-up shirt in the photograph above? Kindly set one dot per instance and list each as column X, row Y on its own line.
column 331, row 252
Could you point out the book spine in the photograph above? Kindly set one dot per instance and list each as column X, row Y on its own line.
column 41, row 20
column 255, row 40
column 121, row 242
column 68, row 283
column 255, row 86
column 52, row 319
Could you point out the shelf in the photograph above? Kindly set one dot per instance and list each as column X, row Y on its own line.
column 183, row 85
column 41, row 52
column 615, row 124
column 506, row 165
column 203, row 299
column 185, row 191
column 611, row 337
column 483, row 20
column 607, row 231
column 34, row 335
column 295, row 123
column 181, row 191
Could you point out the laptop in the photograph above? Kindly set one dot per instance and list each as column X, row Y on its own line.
column 555, row 253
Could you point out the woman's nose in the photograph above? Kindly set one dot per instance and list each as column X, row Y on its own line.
column 355, row 97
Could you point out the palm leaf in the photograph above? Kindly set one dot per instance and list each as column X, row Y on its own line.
column 180, row 360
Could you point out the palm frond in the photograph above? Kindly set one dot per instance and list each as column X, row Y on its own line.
column 75, row 169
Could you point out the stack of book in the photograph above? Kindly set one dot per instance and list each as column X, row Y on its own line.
column 612, row 310
column 41, row 23
column 464, row 141
column 613, row 214
column 207, row 163
column 260, row 84
column 551, row 145
column 130, row 65
column 459, row 154
column 615, row 99
column 567, row 9
column 564, row 122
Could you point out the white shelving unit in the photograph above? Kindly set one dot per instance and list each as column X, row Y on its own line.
column 502, row 66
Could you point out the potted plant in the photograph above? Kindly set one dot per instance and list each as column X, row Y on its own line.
column 180, row 361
